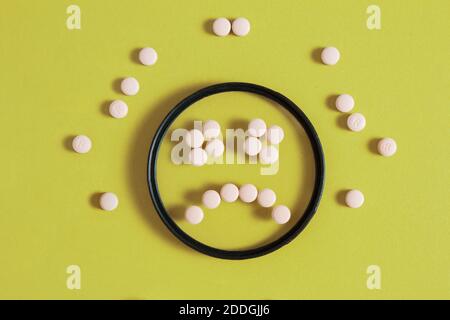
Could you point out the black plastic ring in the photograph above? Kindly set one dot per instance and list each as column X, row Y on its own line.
column 318, row 184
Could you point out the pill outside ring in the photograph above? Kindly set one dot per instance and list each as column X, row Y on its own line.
column 118, row 109
column 82, row 144
column 330, row 56
column 241, row 27
column 345, row 103
column 129, row 86
column 109, row 201
column 221, row 27
column 148, row 56
column 387, row 147
column 354, row 199
column 356, row 122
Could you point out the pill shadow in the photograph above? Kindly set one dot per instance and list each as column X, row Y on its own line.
column 316, row 55
column 208, row 26
column 134, row 55
column 116, row 85
column 372, row 145
column 176, row 212
column 67, row 142
column 330, row 101
column 341, row 121
column 104, row 108
column 94, row 200
column 340, row 197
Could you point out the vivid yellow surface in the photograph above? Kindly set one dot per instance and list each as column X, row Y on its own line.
column 56, row 83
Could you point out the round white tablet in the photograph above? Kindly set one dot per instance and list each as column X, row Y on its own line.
column 281, row 214
column 330, row 56
column 198, row 157
column 130, row 86
column 109, row 201
column 215, row 148
column 257, row 128
column 148, row 56
column 275, row 135
column 356, row 122
column 211, row 129
column 241, row 27
column 194, row 215
column 82, row 144
column 387, row 147
column 354, row 199
column 267, row 198
column 248, row 193
column 118, row 109
column 345, row 103
column 211, row 199
column 229, row 193
column 252, row 146
column 194, row 138
column 221, row 27
column 268, row 155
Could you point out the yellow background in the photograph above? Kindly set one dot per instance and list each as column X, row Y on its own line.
column 56, row 83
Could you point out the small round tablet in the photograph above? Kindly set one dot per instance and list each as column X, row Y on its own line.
column 130, row 86
column 211, row 129
column 257, row 128
column 221, row 27
column 194, row 138
column 354, row 199
column 275, row 135
column 211, row 199
column 281, row 214
column 268, row 155
column 198, row 157
column 248, row 193
column 387, row 147
column 356, row 122
column 148, row 56
column 241, row 27
column 229, row 193
column 252, row 146
column 194, row 215
column 82, row 144
column 267, row 198
column 215, row 148
column 330, row 56
column 109, row 201
column 118, row 109
column 345, row 103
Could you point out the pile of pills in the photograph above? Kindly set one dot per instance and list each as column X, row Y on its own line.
column 222, row 27
column 247, row 193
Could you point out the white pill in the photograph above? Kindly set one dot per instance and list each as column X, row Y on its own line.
column 281, row 214
column 211, row 129
column 345, row 103
column 221, row 27
column 130, row 86
column 252, row 146
column 109, row 201
column 267, row 198
column 257, row 128
column 275, row 135
column 194, row 215
column 148, row 56
column 241, row 27
column 81, row 144
column 118, row 109
column 268, row 155
column 194, row 138
column 330, row 56
column 198, row 157
column 356, row 122
column 387, row 147
column 354, row 199
column 215, row 148
column 211, row 199
column 229, row 193
column 248, row 193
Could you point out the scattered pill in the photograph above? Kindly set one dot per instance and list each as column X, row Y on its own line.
column 109, row 201
column 229, row 193
column 211, row 129
column 81, row 144
column 267, row 198
column 215, row 148
column 356, row 122
column 118, row 109
column 275, row 135
column 257, row 128
column 248, row 193
column 148, row 56
column 268, row 155
column 241, row 27
column 194, row 215
column 130, row 86
column 221, row 27
column 194, row 138
column 330, row 56
column 354, row 199
column 387, row 147
column 211, row 199
column 345, row 103
column 198, row 157
column 252, row 146
column 281, row 214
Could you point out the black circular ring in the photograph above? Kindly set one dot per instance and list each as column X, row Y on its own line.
column 318, row 157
